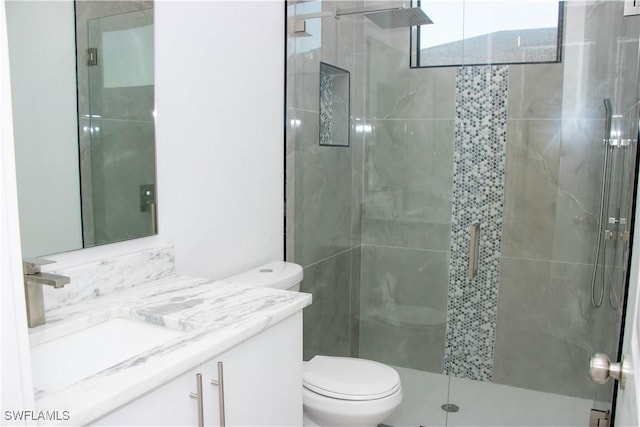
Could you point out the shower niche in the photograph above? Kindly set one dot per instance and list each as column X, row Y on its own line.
column 334, row 107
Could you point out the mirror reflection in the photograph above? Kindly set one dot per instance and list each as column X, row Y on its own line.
column 83, row 94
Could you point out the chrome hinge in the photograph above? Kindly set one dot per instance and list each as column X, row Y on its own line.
column 618, row 142
column 92, row 53
column 599, row 418
column 617, row 220
column 617, row 235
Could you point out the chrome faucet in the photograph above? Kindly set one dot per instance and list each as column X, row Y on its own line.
column 33, row 281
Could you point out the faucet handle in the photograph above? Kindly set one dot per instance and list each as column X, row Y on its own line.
column 32, row 265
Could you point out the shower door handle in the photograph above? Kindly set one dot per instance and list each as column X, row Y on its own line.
column 601, row 369
column 474, row 249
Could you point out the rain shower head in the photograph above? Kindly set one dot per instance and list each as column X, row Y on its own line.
column 397, row 17
column 388, row 18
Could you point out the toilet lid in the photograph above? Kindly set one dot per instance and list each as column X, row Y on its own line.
column 349, row 378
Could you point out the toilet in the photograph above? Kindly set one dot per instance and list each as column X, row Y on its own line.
column 337, row 391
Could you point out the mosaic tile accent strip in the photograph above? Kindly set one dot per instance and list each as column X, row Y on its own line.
column 326, row 107
column 478, row 193
column 334, row 105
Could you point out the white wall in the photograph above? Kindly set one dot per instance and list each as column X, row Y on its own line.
column 43, row 64
column 220, row 106
column 16, row 392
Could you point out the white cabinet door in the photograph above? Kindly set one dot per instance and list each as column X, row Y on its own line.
column 262, row 379
column 167, row 405
column 262, row 386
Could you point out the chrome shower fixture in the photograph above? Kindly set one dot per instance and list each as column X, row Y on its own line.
column 388, row 18
column 612, row 142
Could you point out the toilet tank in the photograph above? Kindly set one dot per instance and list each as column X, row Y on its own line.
column 278, row 275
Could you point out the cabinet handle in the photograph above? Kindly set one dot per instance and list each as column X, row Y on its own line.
column 220, row 383
column 474, row 249
column 198, row 395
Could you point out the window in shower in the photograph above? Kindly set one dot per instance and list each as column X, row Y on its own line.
column 469, row 32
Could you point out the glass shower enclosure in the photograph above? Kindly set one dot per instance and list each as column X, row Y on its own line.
column 117, row 132
column 475, row 232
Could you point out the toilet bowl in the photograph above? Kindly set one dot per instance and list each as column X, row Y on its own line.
column 337, row 391
column 344, row 391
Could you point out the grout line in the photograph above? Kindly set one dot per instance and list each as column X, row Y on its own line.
column 406, row 248
column 551, row 261
column 303, row 110
column 546, row 260
column 106, row 119
column 502, row 256
column 330, row 256
column 410, row 119
column 554, row 119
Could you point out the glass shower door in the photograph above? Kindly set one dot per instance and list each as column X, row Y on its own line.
column 540, row 327
column 118, row 165
column 407, row 222
column 611, row 264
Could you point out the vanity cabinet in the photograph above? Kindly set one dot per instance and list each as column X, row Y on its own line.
column 262, row 386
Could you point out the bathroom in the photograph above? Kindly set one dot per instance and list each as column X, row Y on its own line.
column 219, row 159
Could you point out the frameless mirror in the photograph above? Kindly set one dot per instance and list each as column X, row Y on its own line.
column 480, row 32
column 82, row 81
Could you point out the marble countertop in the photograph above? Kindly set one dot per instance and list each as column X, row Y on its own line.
column 214, row 316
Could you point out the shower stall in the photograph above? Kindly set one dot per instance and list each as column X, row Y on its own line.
column 115, row 66
column 473, row 228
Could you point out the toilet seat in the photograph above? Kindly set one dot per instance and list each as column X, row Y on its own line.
column 349, row 378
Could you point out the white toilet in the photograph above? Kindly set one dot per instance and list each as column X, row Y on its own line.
column 338, row 391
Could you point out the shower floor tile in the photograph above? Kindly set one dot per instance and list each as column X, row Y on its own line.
column 481, row 404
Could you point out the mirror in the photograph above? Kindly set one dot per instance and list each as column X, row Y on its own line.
column 82, row 81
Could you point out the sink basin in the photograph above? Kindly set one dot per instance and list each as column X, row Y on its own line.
column 67, row 359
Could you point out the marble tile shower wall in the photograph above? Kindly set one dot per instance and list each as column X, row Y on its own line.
column 324, row 184
column 545, row 323
column 372, row 223
column 406, row 205
column 547, row 328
